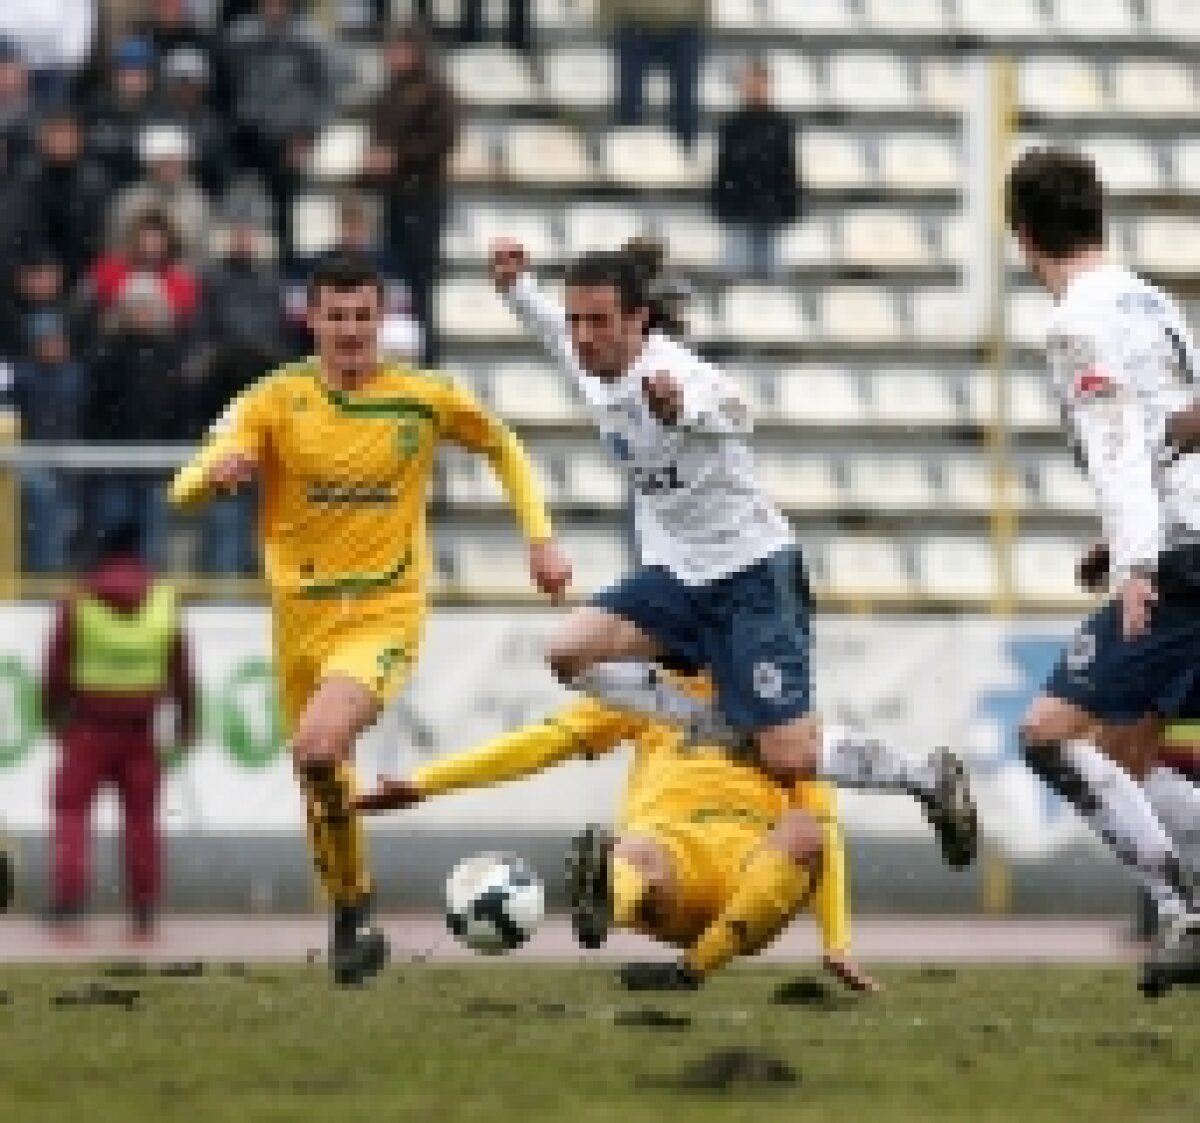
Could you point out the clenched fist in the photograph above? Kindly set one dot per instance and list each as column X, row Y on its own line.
column 508, row 260
column 664, row 396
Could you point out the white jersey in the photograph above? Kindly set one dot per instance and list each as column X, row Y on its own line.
column 1121, row 357
column 699, row 508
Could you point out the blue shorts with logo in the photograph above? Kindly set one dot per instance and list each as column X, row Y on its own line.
column 1121, row 680
column 750, row 630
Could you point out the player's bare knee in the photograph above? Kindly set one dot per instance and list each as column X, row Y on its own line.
column 1049, row 722
column 790, row 752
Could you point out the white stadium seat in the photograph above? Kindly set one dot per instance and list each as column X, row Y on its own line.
column 1186, row 160
column 807, row 243
column 1010, row 19
column 1173, row 20
column 1064, row 487
column 737, row 15
column 719, row 78
column 1031, row 403
column 597, row 559
column 800, row 483
column 890, row 483
column 858, row 314
column 491, row 76
column 1059, row 85
column 756, row 313
column 600, row 226
column 968, row 483
column 919, row 162
column 593, row 480
column 484, row 225
column 1125, row 163
column 957, row 569
column 867, row 568
column 812, row 16
column 469, row 307
column 474, row 158
column 492, row 566
column 834, row 159
column 564, row 15
column 579, row 77
column 883, row 238
column 1043, row 570
column 694, row 241
column 525, row 392
column 911, row 397
column 912, row 17
column 870, row 80
column 545, row 153
column 820, row 396
column 1028, row 314
column 1168, row 244
column 793, row 83
column 1154, row 88
column 1094, row 19
column 649, row 157
column 940, row 314
column 944, row 83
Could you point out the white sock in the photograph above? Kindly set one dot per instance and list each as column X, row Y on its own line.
column 642, row 688
column 1176, row 801
column 1122, row 816
column 856, row 760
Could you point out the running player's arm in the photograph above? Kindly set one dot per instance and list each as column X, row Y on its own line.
column 585, row 729
column 543, row 318
column 831, row 904
column 242, row 430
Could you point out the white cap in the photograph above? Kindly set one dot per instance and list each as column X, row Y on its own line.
column 399, row 338
column 164, row 142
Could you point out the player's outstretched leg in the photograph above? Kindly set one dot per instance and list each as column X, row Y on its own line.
column 589, row 886
column 8, row 878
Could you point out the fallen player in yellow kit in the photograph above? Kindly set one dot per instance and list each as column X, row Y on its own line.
column 711, row 855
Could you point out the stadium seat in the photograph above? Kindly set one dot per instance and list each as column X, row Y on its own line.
column 694, row 240
column 540, row 152
column 800, row 483
column 1064, row 488
column 807, row 243
column 812, row 16
column 1012, row 19
column 1168, row 244
column 483, row 225
column 1173, row 20
column 943, row 83
column 1094, row 19
column 597, row 559
column 593, row 480
column 919, row 162
column 648, row 158
column 564, row 15
column 905, row 17
column 469, row 308
column 820, row 396
column 474, row 158
column 719, row 76
column 890, row 483
column 868, row 569
column 959, row 569
column 952, row 239
column 1154, row 88
column 967, row 483
column 753, row 313
column 365, row 75
column 870, row 80
column 911, row 397
column 579, row 77
column 1059, row 85
column 1028, row 315
column 491, row 566
column 1186, row 161
column 941, row 314
column 834, row 160
column 525, row 392
column 599, row 226
column 858, row 314
column 337, row 154
column 492, row 76
column 1125, row 163
column 793, row 83
column 1043, row 570
column 701, row 320
column 738, row 15
column 314, row 224
column 1031, row 402
column 883, row 239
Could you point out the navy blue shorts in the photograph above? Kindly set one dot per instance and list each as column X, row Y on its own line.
column 750, row 630
column 1121, row 681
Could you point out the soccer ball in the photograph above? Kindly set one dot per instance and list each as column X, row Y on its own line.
column 494, row 902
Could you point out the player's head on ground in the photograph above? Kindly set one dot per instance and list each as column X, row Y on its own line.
column 1054, row 203
column 608, row 311
column 345, row 306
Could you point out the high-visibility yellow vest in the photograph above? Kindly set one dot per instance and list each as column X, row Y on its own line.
column 124, row 653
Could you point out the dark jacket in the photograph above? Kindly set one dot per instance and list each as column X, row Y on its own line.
column 17, row 313
column 114, row 130
column 49, row 400
column 756, row 178
column 137, row 389
column 212, row 160
column 123, row 583
column 418, row 119
column 242, row 303
column 69, row 204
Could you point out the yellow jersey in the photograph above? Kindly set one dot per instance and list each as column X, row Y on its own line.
column 344, row 474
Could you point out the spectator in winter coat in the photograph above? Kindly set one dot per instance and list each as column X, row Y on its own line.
column 67, row 192
column 38, row 286
column 185, row 102
column 122, row 110
column 151, row 247
column 756, row 190
column 16, row 103
column 414, row 129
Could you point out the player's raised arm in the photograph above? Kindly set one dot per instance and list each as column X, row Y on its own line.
column 467, row 423
column 582, row 730
column 231, row 453
column 543, row 317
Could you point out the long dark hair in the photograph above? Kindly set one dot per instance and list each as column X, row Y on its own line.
column 666, row 299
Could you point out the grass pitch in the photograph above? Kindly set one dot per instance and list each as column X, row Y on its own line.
column 510, row 1042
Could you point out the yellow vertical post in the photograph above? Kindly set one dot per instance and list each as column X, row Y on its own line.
column 10, row 516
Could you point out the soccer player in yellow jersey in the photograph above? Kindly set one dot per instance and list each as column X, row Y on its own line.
column 711, row 855
column 342, row 447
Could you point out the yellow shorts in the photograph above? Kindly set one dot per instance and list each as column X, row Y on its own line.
column 708, row 853
column 377, row 648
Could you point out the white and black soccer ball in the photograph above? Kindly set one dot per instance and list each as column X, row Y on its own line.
column 494, row 902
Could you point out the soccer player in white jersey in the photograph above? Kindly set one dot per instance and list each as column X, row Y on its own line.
column 1121, row 361
column 721, row 585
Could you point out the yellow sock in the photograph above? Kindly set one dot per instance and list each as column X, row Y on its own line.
column 628, row 890
column 336, row 835
column 771, row 889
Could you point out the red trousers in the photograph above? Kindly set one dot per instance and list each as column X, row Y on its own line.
column 91, row 756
